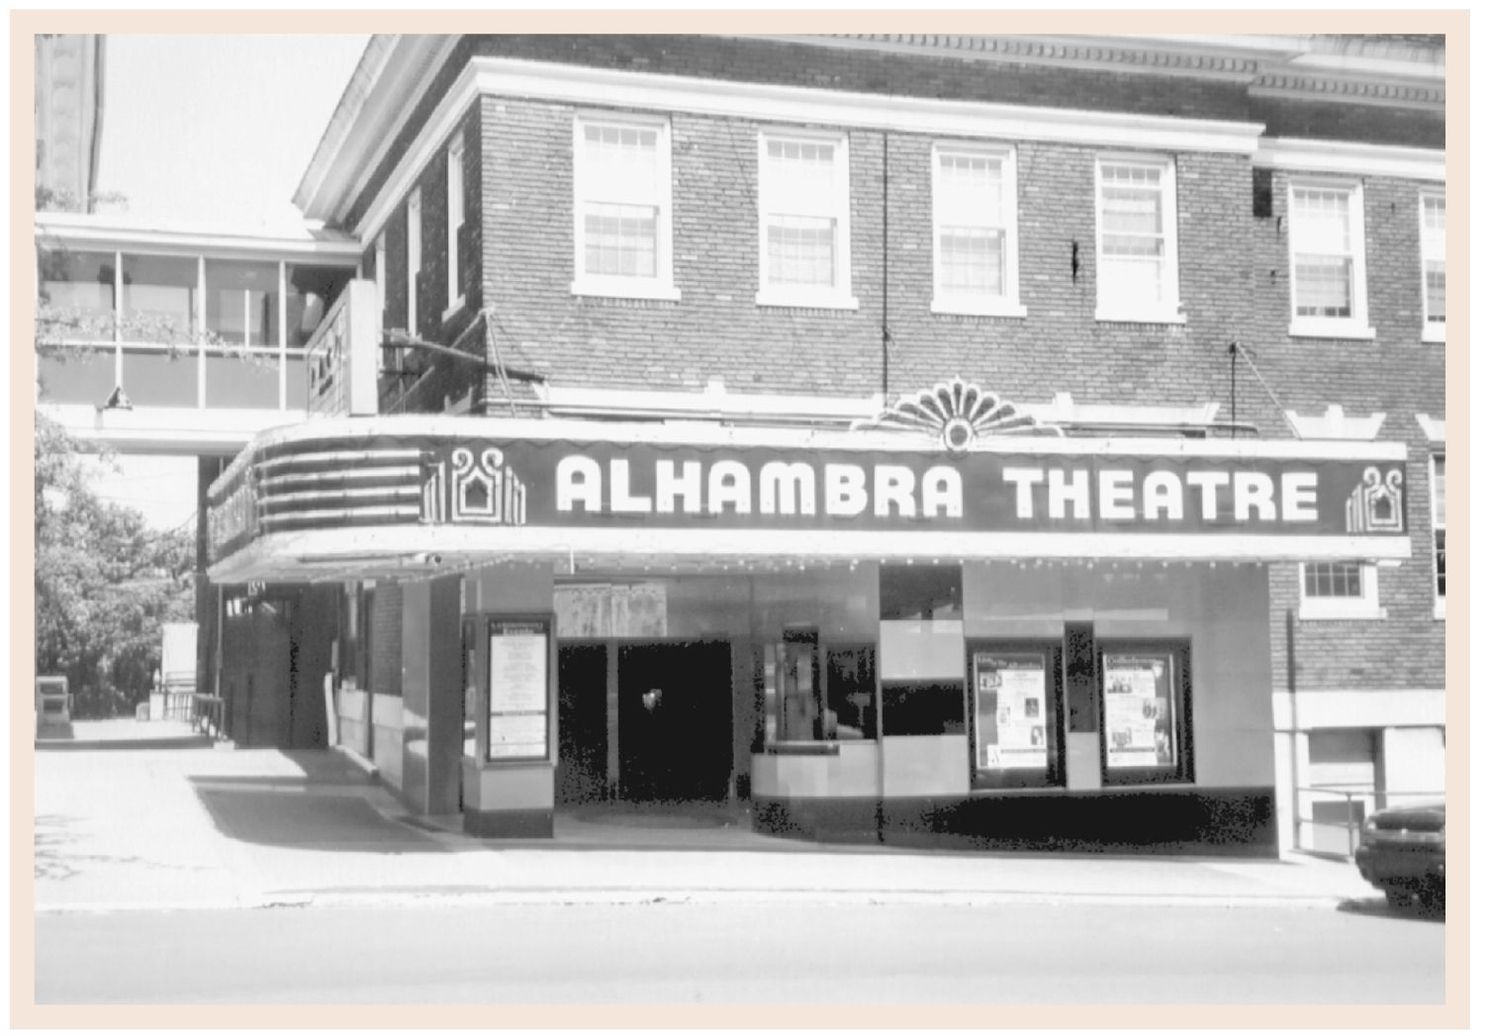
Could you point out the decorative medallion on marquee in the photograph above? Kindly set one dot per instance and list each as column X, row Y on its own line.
column 1377, row 503
column 958, row 412
column 472, row 488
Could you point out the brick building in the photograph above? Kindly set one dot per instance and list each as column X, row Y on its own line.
column 1024, row 441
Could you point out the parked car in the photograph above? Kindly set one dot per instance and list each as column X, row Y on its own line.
column 1403, row 852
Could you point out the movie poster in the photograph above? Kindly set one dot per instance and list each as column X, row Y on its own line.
column 1139, row 711
column 1010, row 710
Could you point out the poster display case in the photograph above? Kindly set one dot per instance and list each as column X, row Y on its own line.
column 1144, row 714
column 518, row 656
column 1015, row 736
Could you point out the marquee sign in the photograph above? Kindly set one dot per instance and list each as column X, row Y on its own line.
column 468, row 480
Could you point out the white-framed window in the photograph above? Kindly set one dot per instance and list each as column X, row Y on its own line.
column 1433, row 265
column 624, row 215
column 1438, row 528
column 975, row 266
column 803, row 199
column 412, row 264
column 1135, row 204
column 455, row 218
column 1339, row 590
column 381, row 275
column 1329, row 281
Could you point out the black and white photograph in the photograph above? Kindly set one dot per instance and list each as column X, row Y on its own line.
column 765, row 519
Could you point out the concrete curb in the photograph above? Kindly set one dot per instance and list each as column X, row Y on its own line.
column 619, row 896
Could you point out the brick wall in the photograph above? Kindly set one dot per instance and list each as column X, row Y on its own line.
column 1235, row 287
column 1395, row 373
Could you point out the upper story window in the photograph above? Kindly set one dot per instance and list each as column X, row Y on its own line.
column 1438, row 527
column 1136, row 208
column 76, row 295
column 310, row 293
column 1433, row 265
column 455, row 218
column 1328, row 280
column 623, row 208
column 243, row 302
column 160, row 299
column 804, row 221
column 381, row 275
column 412, row 264
column 1339, row 590
column 974, row 232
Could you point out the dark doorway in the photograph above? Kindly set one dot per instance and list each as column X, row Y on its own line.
column 674, row 721
column 581, row 773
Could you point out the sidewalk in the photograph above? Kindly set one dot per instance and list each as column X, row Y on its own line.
column 242, row 828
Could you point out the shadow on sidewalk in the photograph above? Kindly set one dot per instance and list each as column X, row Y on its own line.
column 327, row 807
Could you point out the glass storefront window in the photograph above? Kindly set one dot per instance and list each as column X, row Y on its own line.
column 160, row 299
column 1144, row 716
column 76, row 296
column 243, row 302
column 311, row 290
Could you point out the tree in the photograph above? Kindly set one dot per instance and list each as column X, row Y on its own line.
column 104, row 583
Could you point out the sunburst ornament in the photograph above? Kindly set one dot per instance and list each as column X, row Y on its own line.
column 958, row 412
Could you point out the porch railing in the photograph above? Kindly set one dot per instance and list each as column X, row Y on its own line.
column 1328, row 816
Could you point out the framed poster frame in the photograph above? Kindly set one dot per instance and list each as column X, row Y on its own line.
column 982, row 656
column 517, row 724
column 1180, row 770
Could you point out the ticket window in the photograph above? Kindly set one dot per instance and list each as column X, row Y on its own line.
column 799, row 706
column 1016, row 734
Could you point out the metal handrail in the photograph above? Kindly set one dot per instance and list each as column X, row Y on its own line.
column 1373, row 799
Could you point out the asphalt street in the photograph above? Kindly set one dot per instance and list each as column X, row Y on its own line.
column 744, row 953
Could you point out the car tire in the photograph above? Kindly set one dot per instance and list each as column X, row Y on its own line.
column 1433, row 895
column 1399, row 898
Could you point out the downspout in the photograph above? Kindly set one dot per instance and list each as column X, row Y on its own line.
column 1294, row 728
column 886, row 334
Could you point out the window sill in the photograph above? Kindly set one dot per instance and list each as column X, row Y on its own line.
column 1150, row 316
column 655, row 291
column 1433, row 334
column 806, row 299
column 1439, row 611
column 455, row 308
column 1314, row 610
column 802, row 748
column 976, row 307
column 1318, row 329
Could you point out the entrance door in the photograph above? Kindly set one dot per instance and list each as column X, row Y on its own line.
column 674, row 721
column 581, row 772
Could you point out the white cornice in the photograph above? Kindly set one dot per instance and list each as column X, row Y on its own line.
column 579, row 85
column 1350, row 159
column 394, row 75
column 84, row 232
column 1433, row 427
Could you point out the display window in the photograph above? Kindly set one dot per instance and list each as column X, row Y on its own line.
column 819, row 693
column 1145, row 714
column 1016, row 733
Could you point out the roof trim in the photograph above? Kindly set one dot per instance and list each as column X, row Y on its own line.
column 582, row 86
column 83, row 231
column 1347, row 158
column 393, row 75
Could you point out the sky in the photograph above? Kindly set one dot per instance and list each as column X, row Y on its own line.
column 214, row 130
column 217, row 128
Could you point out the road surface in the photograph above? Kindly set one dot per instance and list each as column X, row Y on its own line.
column 1067, row 952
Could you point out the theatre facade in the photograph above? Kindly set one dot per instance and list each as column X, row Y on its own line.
column 968, row 630
column 979, row 441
